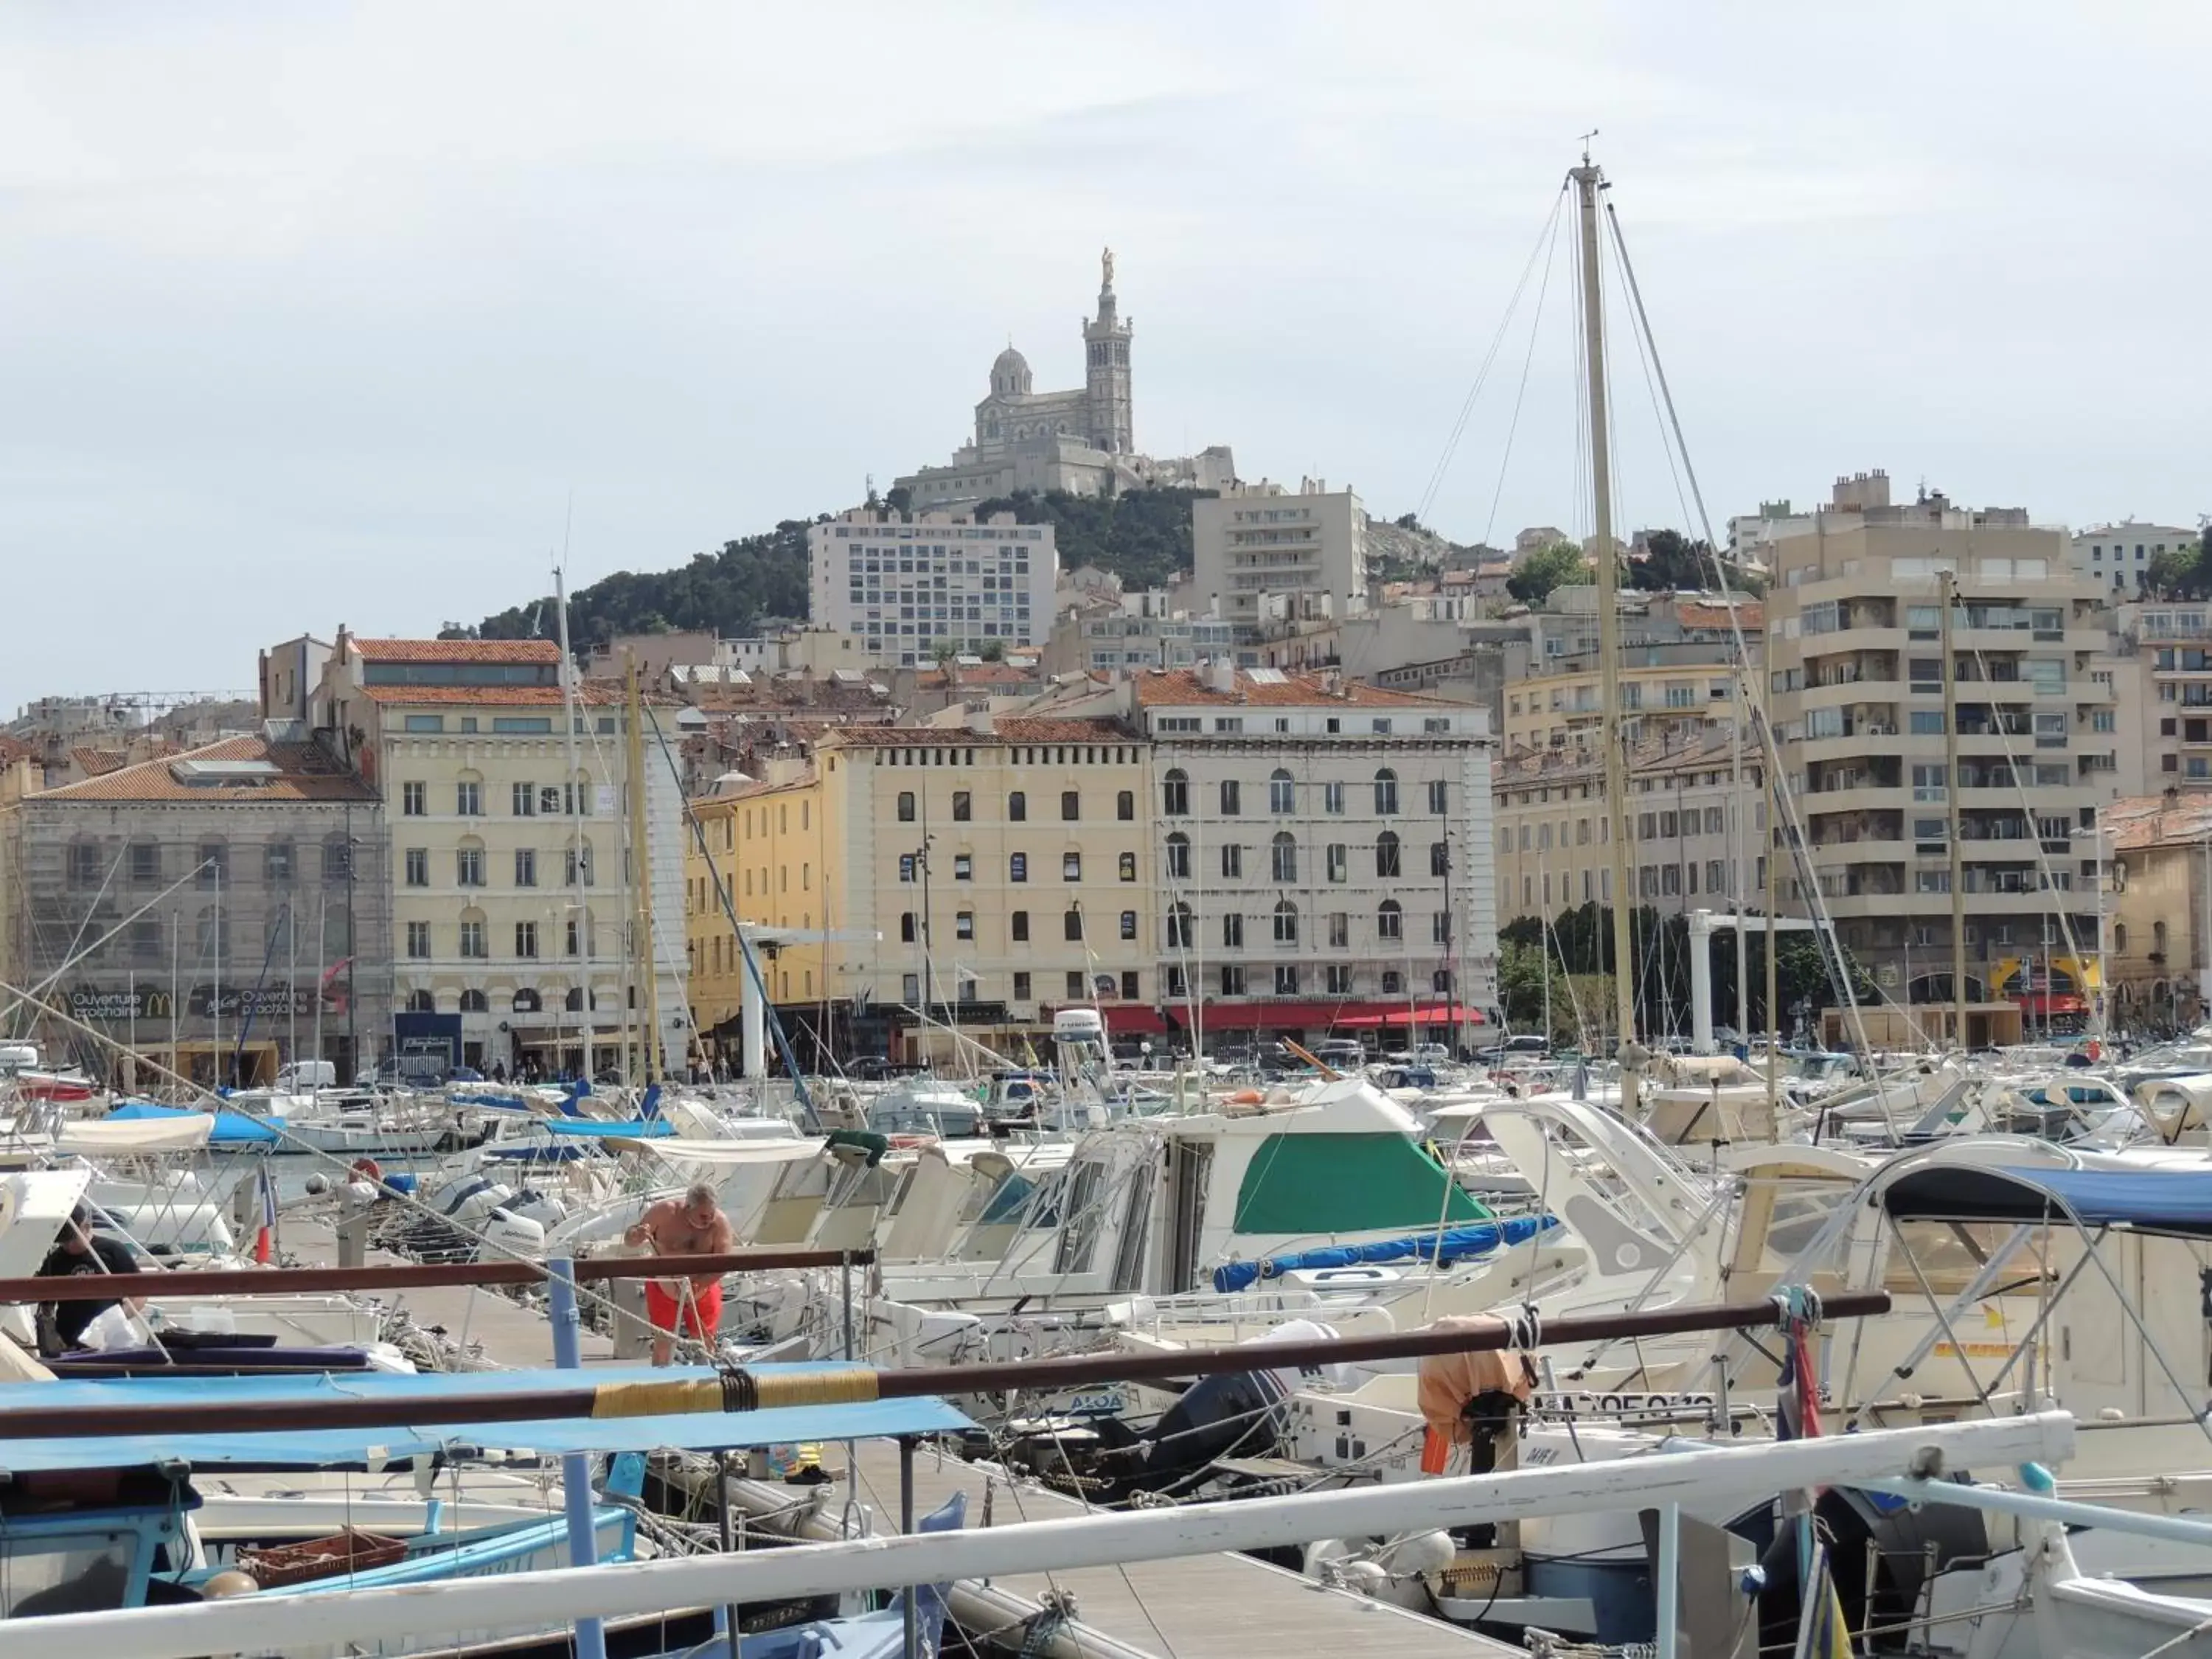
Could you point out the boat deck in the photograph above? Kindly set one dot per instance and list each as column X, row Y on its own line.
column 1199, row 1606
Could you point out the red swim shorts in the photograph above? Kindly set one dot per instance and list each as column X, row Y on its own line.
column 701, row 1310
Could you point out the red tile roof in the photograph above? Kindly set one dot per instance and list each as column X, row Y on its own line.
column 590, row 694
column 457, row 650
column 1698, row 613
column 304, row 773
column 1025, row 729
column 1173, row 687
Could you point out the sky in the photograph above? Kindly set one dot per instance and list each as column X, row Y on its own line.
column 329, row 315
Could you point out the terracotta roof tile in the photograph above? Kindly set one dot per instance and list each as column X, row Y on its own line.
column 1172, row 687
column 590, row 693
column 304, row 773
column 1038, row 729
column 457, row 650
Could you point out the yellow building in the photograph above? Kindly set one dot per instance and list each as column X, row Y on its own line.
column 1673, row 701
column 1005, row 865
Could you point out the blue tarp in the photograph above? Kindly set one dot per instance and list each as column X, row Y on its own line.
column 637, row 1128
column 1452, row 1244
column 231, row 1129
column 504, row 1103
column 2173, row 1202
column 376, row 1448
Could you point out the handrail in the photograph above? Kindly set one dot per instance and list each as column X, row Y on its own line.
column 280, row 1281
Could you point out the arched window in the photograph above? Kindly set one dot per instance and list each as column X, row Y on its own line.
column 1287, row 922
column 1175, row 793
column 528, row 1002
column 1017, row 807
column 421, row 1002
column 1125, row 805
column 1128, row 866
column 1287, row 856
column 1179, row 926
column 1178, row 857
column 278, row 863
column 1386, row 853
column 1071, row 925
column 2119, row 939
column 2158, row 937
column 906, row 806
column 1282, row 792
column 1386, row 793
column 474, row 1002
column 574, row 1002
column 1390, row 920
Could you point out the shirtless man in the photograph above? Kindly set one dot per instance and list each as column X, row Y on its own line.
column 693, row 1225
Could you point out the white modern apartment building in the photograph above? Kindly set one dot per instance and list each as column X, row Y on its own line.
column 2117, row 556
column 1306, row 550
column 910, row 584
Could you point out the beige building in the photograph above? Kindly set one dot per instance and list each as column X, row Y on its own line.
column 1854, row 622
column 509, row 952
column 1695, row 835
column 1260, row 552
column 2157, row 959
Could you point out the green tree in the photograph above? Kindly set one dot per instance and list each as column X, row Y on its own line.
column 1672, row 560
column 2180, row 575
column 1558, row 564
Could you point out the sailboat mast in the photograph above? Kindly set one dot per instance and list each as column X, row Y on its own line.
column 1588, row 181
column 1947, row 587
column 572, row 796
column 641, row 879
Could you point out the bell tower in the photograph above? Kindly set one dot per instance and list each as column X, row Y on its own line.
column 1106, row 357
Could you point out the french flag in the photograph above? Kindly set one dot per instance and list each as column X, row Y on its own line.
column 264, row 1241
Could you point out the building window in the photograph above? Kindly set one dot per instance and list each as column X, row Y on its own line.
column 473, row 941
column 1339, row 861
column 1287, row 922
column 1071, row 866
column 525, row 800
column 1178, row 857
column 1386, row 854
column 1175, row 793
column 469, row 866
column 1021, row 987
column 526, row 867
column 424, row 723
column 1232, row 860
column 1286, row 857
column 906, row 806
column 412, row 799
column 1178, row 984
column 1232, row 931
column 1127, row 865
column 1179, row 927
column 421, row 1002
column 1441, row 982
column 1340, row 930
column 1336, row 978
column 1129, row 987
column 1439, row 796
column 1017, row 807
column 526, row 940
column 1286, row 978
column 1071, row 806
column 1232, row 979
column 145, row 862
column 906, row 927
column 527, row 1001
column 1394, row 983
column 963, row 867
column 1390, row 920
column 578, row 866
column 1125, row 805
column 276, row 864
column 1071, row 925
column 1075, row 988
column 1018, row 866
column 1386, row 793
column 910, row 989
column 1128, row 924
column 963, row 924
column 214, row 863
column 1332, row 798
column 1440, row 927
column 468, row 799
column 1232, row 797
column 1282, row 792
column 418, row 941
column 960, row 805
column 418, row 866
column 1439, row 857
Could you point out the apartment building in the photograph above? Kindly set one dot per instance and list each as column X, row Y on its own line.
column 1260, row 550
column 218, row 911
column 1324, row 852
column 910, row 585
column 2165, row 676
column 2117, row 556
column 510, row 877
column 1695, row 835
column 1856, row 666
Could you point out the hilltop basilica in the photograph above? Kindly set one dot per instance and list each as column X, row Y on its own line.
column 1082, row 442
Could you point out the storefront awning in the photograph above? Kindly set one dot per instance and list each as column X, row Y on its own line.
column 1290, row 1016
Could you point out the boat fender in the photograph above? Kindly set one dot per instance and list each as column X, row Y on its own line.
column 369, row 1171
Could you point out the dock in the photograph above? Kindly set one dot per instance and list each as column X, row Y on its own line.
column 1200, row 1606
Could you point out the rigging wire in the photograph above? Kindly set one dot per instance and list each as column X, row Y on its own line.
column 1521, row 391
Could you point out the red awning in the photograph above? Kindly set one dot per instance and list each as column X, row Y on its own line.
column 1428, row 1013
column 1133, row 1019
column 1322, row 1016
column 2053, row 1003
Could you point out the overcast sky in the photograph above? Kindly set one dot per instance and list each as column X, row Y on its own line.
column 315, row 314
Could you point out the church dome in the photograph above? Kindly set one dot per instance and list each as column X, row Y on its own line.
column 1011, row 373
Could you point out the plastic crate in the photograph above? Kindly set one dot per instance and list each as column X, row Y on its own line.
column 347, row 1551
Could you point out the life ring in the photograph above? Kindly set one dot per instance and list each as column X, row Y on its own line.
column 368, row 1170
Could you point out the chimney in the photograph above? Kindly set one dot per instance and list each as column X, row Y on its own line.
column 1221, row 675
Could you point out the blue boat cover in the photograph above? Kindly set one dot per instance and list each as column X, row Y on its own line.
column 378, row 1448
column 2177, row 1202
column 504, row 1103
column 1453, row 1244
column 636, row 1128
column 231, row 1129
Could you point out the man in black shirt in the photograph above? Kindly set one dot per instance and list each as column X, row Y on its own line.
column 80, row 1250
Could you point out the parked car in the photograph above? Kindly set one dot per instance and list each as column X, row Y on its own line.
column 1514, row 1047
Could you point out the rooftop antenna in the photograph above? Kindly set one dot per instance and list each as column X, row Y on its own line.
column 1587, row 137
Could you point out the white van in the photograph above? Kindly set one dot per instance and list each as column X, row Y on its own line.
column 304, row 1074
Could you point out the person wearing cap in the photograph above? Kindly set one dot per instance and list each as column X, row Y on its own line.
column 80, row 1250
column 693, row 1225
